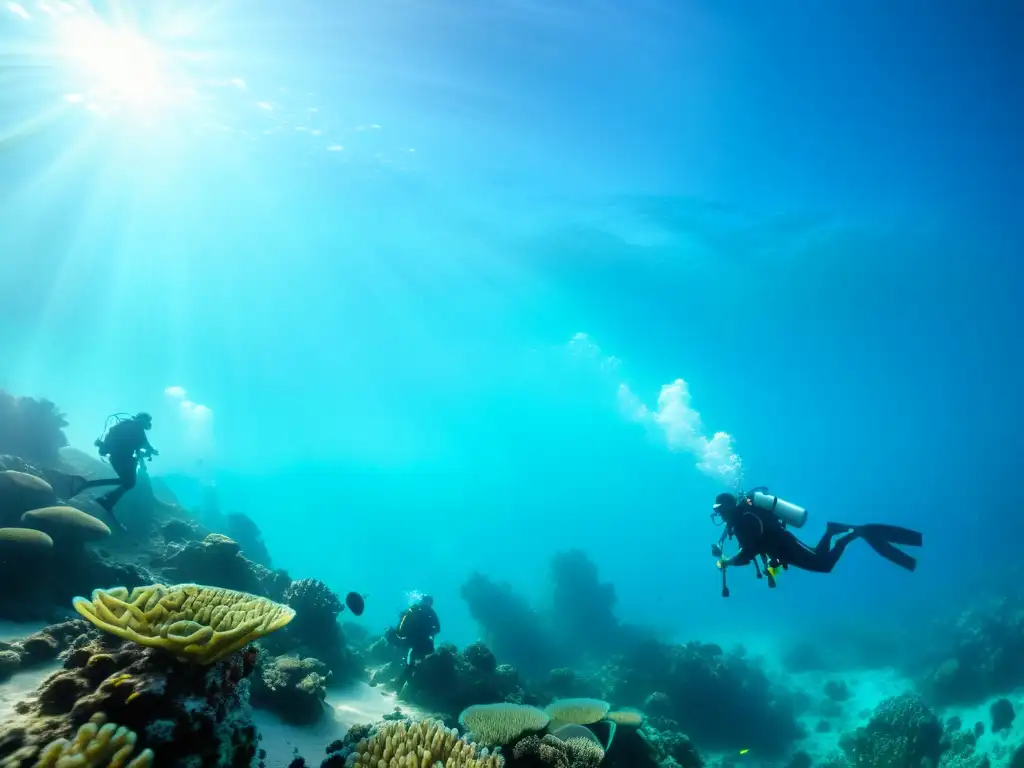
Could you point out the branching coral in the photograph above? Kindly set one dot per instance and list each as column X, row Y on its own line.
column 98, row 744
column 426, row 743
column 197, row 623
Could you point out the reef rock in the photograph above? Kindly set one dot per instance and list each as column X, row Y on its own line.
column 292, row 687
column 716, row 698
column 902, row 733
column 448, row 681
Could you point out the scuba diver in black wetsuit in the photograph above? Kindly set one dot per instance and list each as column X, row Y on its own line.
column 758, row 521
column 127, row 446
column 416, row 630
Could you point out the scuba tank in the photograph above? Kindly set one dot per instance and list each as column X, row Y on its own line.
column 786, row 511
column 112, row 420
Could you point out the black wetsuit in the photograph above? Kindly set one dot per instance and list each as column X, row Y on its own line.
column 123, row 443
column 416, row 631
column 761, row 533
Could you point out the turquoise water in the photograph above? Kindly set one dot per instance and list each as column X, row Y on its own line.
column 404, row 282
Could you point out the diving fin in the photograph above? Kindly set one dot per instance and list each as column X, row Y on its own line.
column 76, row 484
column 892, row 534
column 890, row 553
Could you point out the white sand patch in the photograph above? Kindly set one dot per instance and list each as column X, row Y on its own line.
column 348, row 707
column 10, row 630
column 20, row 687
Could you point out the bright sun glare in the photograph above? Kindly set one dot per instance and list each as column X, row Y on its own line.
column 108, row 65
column 116, row 66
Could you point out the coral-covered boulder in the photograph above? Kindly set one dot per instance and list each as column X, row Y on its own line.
column 315, row 631
column 292, row 687
column 448, row 681
column 215, row 561
column 902, row 733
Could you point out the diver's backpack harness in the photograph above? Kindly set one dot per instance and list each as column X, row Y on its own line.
column 112, row 421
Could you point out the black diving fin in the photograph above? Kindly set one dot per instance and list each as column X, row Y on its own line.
column 881, row 538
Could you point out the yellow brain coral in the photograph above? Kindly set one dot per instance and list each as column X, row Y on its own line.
column 197, row 623
column 426, row 743
column 578, row 711
column 98, row 744
column 494, row 724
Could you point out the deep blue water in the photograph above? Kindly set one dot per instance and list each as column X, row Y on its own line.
column 368, row 262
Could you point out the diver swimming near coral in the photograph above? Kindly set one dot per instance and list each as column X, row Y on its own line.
column 758, row 521
column 126, row 445
column 416, row 630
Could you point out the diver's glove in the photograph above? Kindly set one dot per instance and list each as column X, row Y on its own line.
column 724, row 562
column 716, row 550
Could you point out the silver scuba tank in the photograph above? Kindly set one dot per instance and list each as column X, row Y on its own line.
column 787, row 512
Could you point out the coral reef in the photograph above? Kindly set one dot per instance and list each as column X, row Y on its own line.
column 976, row 653
column 902, row 733
column 511, row 627
column 31, row 428
column 716, row 698
column 242, row 529
column 448, row 681
column 315, row 631
column 582, row 610
column 185, row 713
column 216, row 560
column 293, row 687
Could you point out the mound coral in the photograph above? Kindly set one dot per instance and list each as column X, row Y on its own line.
column 21, row 491
column 98, row 744
column 426, row 743
column 24, row 538
column 197, row 623
column 67, row 522
column 499, row 724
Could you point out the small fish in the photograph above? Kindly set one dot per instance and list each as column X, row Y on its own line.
column 355, row 603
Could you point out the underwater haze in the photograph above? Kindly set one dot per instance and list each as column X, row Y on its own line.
column 429, row 288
